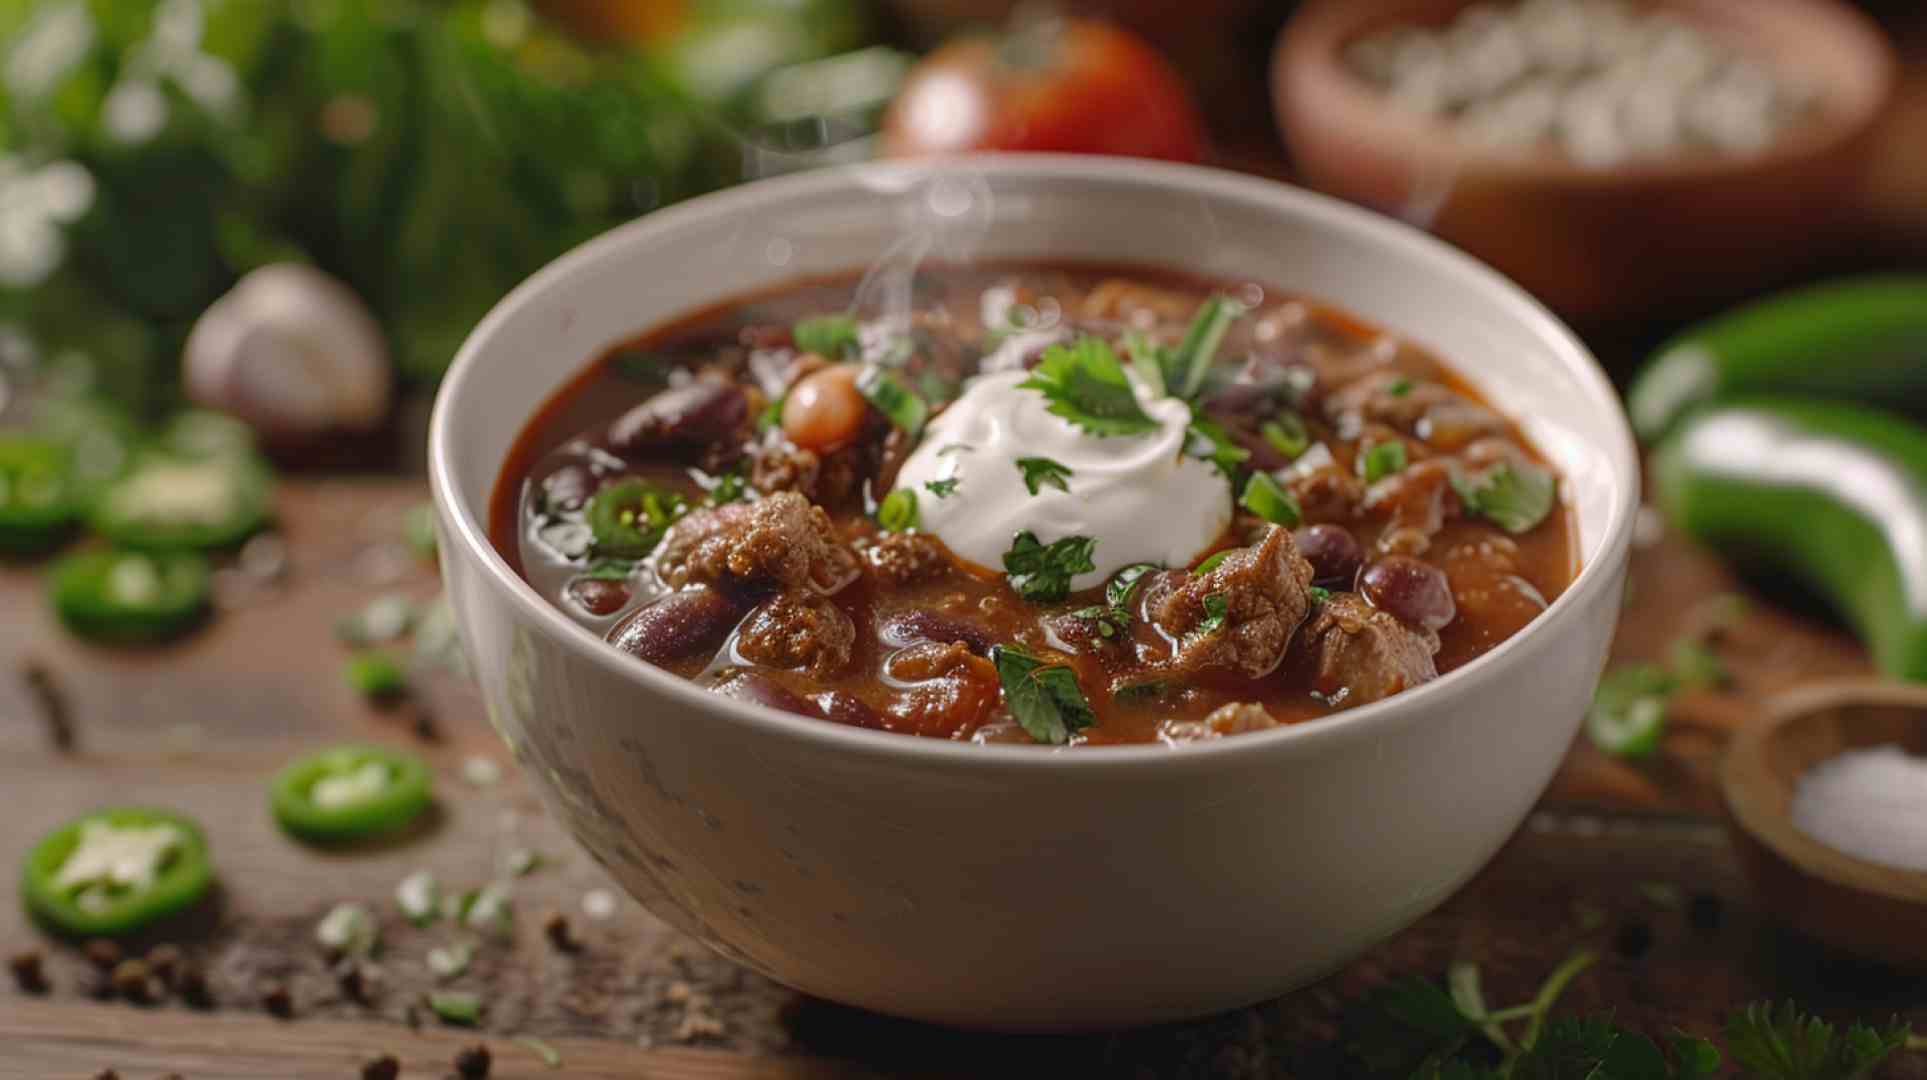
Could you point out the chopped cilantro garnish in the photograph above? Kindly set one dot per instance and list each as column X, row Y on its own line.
column 1118, row 592
column 1044, row 698
column 1043, row 572
column 954, row 448
column 1216, row 607
column 1381, row 460
column 1286, row 434
column 1266, row 499
column 772, row 414
column 1212, row 560
column 942, row 489
column 1786, row 1044
column 1110, row 622
column 828, row 336
column 893, row 399
column 1086, row 385
column 1514, row 496
column 1318, row 595
column 1041, row 471
column 1209, row 441
column 1399, row 387
column 898, row 512
column 1185, row 367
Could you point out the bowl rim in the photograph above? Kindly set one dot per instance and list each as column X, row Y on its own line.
column 1306, row 58
column 470, row 533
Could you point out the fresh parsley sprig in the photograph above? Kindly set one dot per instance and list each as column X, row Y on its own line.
column 1043, row 572
column 1043, row 698
column 1041, row 472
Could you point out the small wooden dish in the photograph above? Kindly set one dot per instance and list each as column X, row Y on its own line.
column 1875, row 911
column 1643, row 239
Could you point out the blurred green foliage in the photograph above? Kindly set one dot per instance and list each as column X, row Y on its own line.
column 432, row 153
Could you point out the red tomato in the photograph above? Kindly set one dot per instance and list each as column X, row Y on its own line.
column 1067, row 85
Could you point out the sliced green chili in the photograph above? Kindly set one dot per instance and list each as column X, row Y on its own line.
column 169, row 501
column 130, row 596
column 115, row 871
column 39, row 499
column 629, row 517
column 349, row 792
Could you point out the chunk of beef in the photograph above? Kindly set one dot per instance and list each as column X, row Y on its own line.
column 799, row 631
column 906, row 558
column 1416, row 503
column 951, row 692
column 1426, row 408
column 1324, row 488
column 781, row 543
column 1365, row 653
column 1234, row 719
column 1264, row 593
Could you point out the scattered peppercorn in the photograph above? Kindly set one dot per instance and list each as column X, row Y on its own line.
column 556, row 926
column 359, row 981
column 276, row 999
column 473, row 1063
column 102, row 953
column 191, row 983
column 133, row 982
column 28, row 972
column 1704, row 911
column 384, row 1067
column 165, row 962
column 424, row 726
column 1633, row 940
column 106, row 1074
column 51, row 701
column 173, row 1076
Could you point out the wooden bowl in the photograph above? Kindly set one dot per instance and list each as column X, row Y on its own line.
column 1875, row 911
column 1646, row 239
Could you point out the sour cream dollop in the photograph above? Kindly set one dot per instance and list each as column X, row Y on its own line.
column 1139, row 496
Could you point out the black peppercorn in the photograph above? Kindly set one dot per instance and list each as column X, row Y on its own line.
column 102, row 953
column 28, row 972
column 384, row 1067
column 277, row 1001
column 473, row 1063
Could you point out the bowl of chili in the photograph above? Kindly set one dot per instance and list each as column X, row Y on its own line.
column 1026, row 887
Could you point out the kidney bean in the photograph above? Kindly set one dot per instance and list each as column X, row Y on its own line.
column 684, row 623
column 1333, row 552
column 762, row 690
column 599, row 596
column 696, row 413
column 848, row 709
column 913, row 626
column 1416, row 592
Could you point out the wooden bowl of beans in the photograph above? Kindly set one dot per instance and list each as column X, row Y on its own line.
column 1619, row 160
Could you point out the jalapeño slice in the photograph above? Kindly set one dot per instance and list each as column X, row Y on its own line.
column 39, row 501
column 170, row 501
column 130, row 596
column 115, row 871
column 346, row 793
column 630, row 516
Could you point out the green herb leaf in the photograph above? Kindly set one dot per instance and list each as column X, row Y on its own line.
column 1211, row 561
column 1216, row 606
column 1381, row 460
column 893, row 399
column 1399, row 387
column 942, row 489
column 898, row 511
column 1118, row 592
column 1185, row 367
column 1208, row 441
column 1085, row 385
column 1110, row 622
column 456, row 1006
column 1266, row 499
column 772, row 414
column 1144, row 691
column 1041, row 471
column 1318, row 595
column 1787, row 1044
column 1044, row 698
column 1695, row 1057
column 1287, row 434
column 1043, row 572
column 1515, row 497
column 829, row 336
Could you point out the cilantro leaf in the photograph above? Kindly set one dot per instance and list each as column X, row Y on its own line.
column 1042, row 471
column 1590, row 1048
column 1209, row 441
column 1086, row 385
column 1044, row 698
column 1185, row 367
column 828, row 336
column 1043, row 572
column 1514, row 496
column 942, row 489
column 1118, row 592
column 1405, row 1028
column 1216, row 607
column 1110, row 622
column 1786, row 1044
column 1695, row 1057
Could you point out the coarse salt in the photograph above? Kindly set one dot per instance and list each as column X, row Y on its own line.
column 1870, row 802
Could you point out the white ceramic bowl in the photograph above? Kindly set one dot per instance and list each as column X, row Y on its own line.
column 1005, row 886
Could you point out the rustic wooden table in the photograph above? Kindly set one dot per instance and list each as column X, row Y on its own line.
column 1631, row 861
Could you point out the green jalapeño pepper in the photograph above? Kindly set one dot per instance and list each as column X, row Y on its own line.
column 38, row 498
column 130, row 596
column 170, row 501
column 629, row 517
column 115, row 871
column 349, row 792
column 1858, row 340
column 1834, row 495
